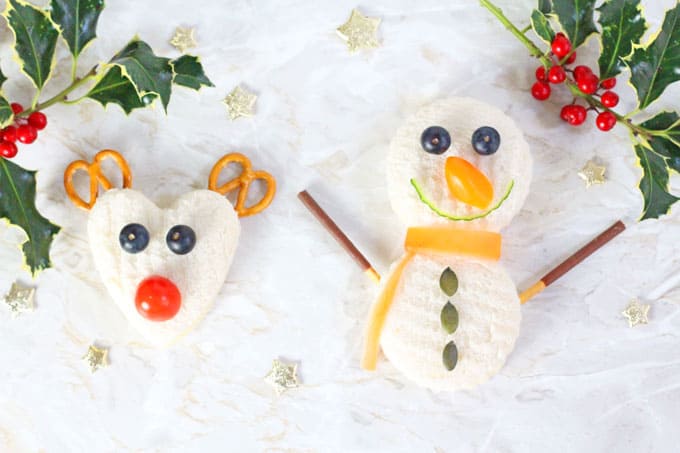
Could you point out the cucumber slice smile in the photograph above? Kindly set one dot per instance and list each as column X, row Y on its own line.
column 446, row 215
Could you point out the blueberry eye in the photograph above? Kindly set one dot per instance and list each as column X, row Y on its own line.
column 486, row 140
column 181, row 239
column 435, row 140
column 133, row 238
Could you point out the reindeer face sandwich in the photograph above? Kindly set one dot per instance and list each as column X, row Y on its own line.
column 164, row 267
column 447, row 315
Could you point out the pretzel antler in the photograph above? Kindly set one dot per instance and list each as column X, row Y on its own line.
column 242, row 183
column 97, row 178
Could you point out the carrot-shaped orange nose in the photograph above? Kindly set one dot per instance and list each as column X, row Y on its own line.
column 467, row 183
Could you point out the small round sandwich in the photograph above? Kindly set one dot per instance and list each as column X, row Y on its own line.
column 447, row 315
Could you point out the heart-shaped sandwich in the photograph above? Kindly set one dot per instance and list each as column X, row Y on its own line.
column 164, row 266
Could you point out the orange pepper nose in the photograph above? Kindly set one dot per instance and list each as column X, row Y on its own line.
column 467, row 183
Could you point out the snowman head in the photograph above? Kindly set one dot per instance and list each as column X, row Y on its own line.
column 164, row 266
column 459, row 162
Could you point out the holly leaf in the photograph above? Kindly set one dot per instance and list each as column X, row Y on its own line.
column 541, row 26
column 188, row 72
column 35, row 38
column 116, row 88
column 17, row 205
column 654, row 183
column 665, row 138
column 622, row 25
column 6, row 113
column 77, row 20
column 656, row 65
column 3, row 78
column 576, row 18
column 664, row 125
column 148, row 73
column 545, row 6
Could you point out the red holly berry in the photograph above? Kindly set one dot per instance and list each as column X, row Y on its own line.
column 610, row 99
column 572, row 58
column 8, row 149
column 573, row 114
column 609, row 83
column 27, row 133
column 581, row 71
column 9, row 134
column 556, row 74
column 17, row 108
column 561, row 45
column 38, row 120
column 588, row 84
column 541, row 91
column 540, row 74
column 605, row 121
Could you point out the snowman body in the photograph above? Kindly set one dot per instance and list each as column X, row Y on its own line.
column 411, row 335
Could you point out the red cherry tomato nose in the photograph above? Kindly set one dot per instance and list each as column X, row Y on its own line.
column 158, row 299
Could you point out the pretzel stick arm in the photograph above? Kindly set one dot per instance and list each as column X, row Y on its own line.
column 335, row 231
column 573, row 260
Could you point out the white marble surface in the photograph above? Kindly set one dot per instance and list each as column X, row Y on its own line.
column 579, row 379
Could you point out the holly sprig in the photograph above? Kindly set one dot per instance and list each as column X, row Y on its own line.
column 134, row 78
column 650, row 66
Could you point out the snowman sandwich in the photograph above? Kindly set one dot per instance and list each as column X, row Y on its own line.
column 164, row 267
column 447, row 314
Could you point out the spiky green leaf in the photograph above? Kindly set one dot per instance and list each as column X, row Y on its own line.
column 17, row 205
column 541, row 26
column 656, row 65
column 6, row 114
column 576, row 18
column 116, row 88
column 545, row 6
column 35, row 38
column 622, row 25
column 77, row 20
column 654, row 183
column 188, row 72
column 3, row 78
column 149, row 73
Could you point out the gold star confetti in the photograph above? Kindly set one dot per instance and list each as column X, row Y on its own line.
column 592, row 173
column 283, row 376
column 240, row 103
column 360, row 32
column 96, row 357
column 20, row 299
column 636, row 313
column 183, row 39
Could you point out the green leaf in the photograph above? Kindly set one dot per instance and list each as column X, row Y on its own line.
column 622, row 25
column 6, row 113
column 668, row 125
column 541, row 26
column 17, row 205
column 654, row 184
column 665, row 141
column 188, row 72
column 448, row 282
column 35, row 38
column 450, row 355
column 3, row 78
column 576, row 18
column 147, row 72
column 449, row 318
column 77, row 20
column 655, row 66
column 118, row 89
column 545, row 6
